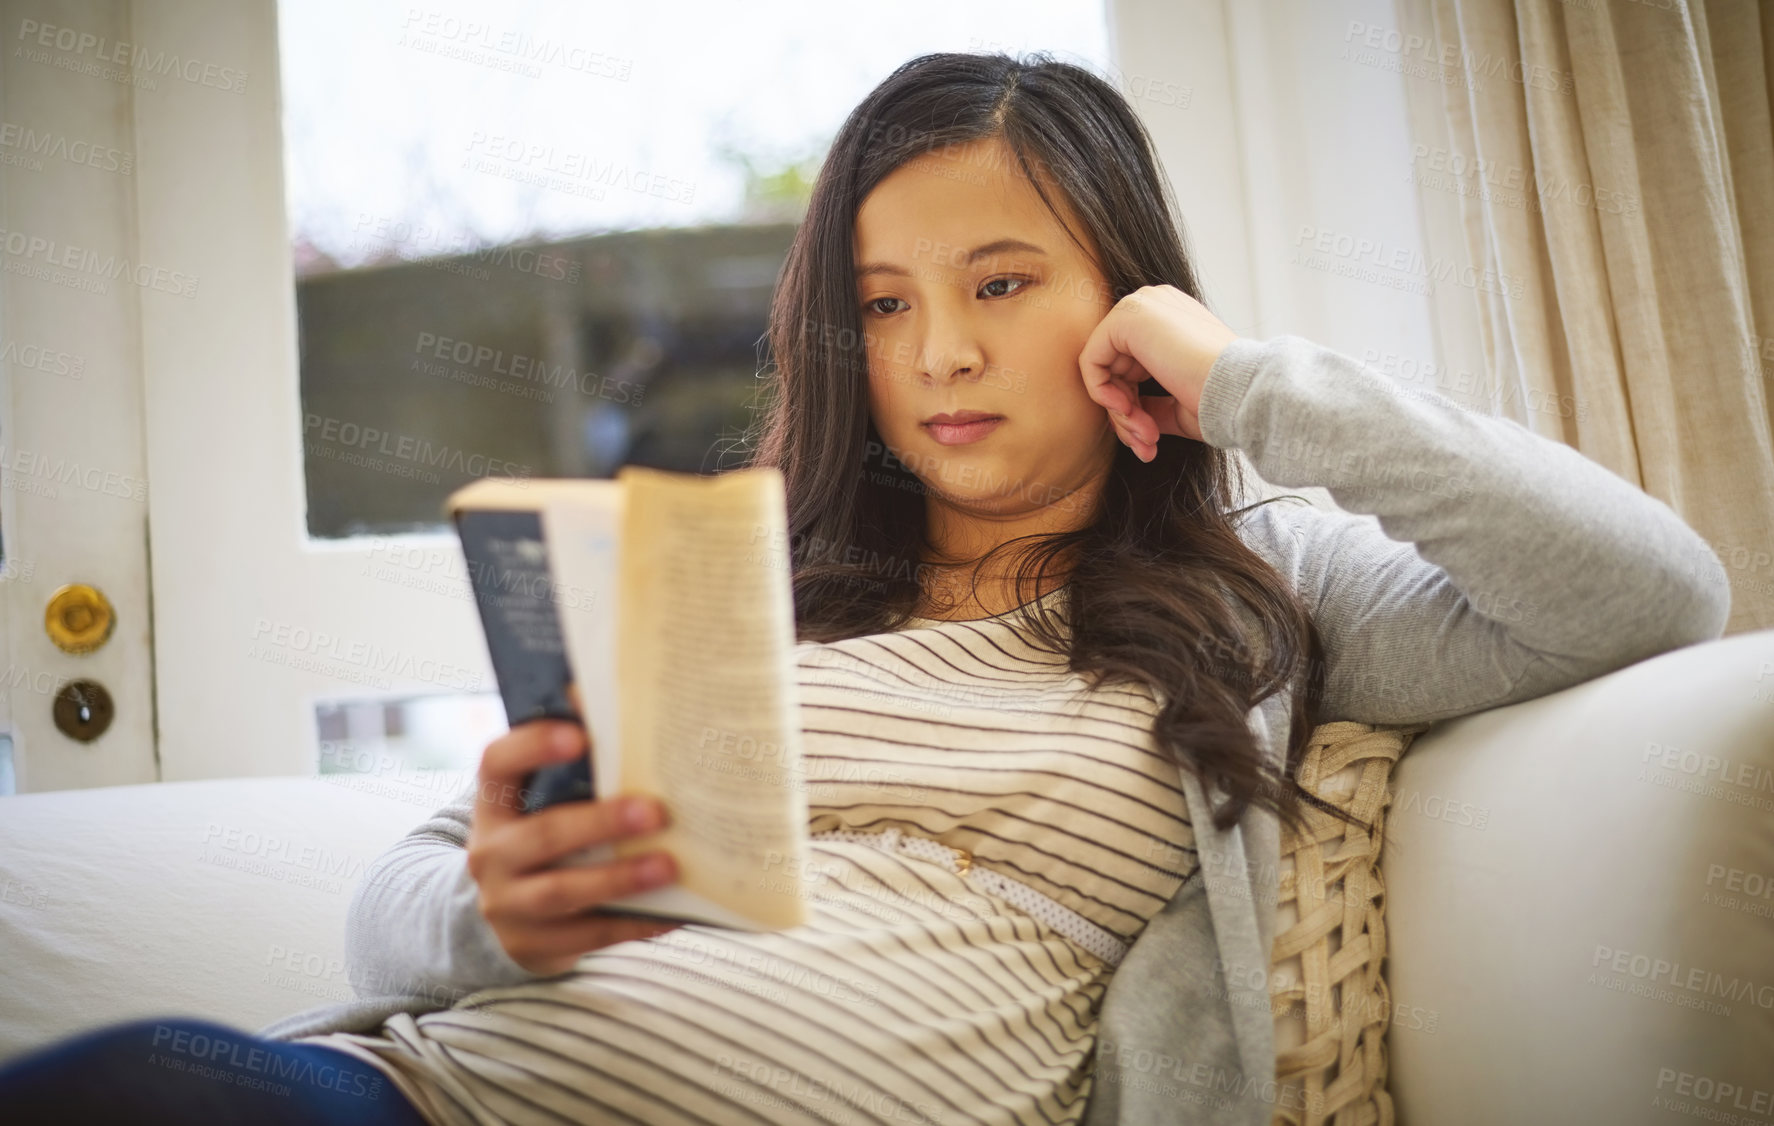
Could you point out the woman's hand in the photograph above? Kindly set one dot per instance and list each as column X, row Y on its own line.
column 538, row 912
column 1156, row 332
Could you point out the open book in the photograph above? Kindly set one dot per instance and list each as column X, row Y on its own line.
column 664, row 599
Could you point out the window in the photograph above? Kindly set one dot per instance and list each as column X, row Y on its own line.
column 541, row 240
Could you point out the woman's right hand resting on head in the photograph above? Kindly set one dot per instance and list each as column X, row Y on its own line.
column 538, row 912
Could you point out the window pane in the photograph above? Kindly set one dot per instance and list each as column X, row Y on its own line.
column 421, row 750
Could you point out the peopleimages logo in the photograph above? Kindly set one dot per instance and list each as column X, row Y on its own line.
column 299, row 646
column 35, row 357
column 24, row 141
column 201, row 1054
column 134, row 56
column 1698, row 985
column 1710, row 1098
column 273, row 849
column 522, row 50
column 91, row 266
column 415, row 453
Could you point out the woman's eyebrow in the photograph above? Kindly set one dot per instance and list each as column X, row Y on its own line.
column 996, row 246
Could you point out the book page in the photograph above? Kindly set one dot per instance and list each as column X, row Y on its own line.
column 583, row 530
column 711, row 713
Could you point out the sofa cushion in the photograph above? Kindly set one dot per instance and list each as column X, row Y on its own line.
column 1580, row 901
column 218, row 899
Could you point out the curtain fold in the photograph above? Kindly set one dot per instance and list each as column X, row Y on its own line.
column 1620, row 155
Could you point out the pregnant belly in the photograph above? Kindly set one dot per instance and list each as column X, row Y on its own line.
column 908, row 997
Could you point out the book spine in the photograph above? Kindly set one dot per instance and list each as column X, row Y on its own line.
column 507, row 558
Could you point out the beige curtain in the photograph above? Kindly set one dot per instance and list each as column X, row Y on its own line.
column 1617, row 177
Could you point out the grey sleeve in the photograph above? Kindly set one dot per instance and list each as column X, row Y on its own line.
column 414, row 924
column 1503, row 566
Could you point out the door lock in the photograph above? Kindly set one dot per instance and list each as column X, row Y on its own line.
column 79, row 618
column 83, row 710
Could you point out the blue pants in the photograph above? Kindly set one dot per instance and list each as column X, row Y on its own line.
column 176, row 1072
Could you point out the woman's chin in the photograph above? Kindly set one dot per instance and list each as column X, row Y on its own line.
column 982, row 501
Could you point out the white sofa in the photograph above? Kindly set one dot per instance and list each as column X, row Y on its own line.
column 1580, row 900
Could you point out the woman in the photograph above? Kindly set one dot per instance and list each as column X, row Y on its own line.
column 1036, row 631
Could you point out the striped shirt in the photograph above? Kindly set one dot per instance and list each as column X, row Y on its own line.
column 910, row 996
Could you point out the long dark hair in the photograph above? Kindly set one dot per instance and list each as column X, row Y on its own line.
column 1161, row 590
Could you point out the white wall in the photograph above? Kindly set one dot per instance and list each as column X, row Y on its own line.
column 1295, row 134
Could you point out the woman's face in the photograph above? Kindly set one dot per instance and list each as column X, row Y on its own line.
column 973, row 298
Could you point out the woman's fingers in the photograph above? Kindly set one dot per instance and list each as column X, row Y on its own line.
column 1156, row 333
column 568, row 891
column 1108, row 363
column 1166, row 413
column 510, row 759
column 1139, row 430
column 536, row 907
column 1124, row 431
column 1114, row 385
column 539, row 839
column 1096, row 363
column 1157, row 416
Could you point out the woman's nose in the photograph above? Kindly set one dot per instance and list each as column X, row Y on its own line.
column 943, row 360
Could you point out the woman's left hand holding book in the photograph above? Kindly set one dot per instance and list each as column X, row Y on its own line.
column 539, row 912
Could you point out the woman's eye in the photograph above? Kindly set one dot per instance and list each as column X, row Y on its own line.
column 1018, row 282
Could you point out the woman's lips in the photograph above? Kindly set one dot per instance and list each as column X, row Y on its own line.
column 961, row 433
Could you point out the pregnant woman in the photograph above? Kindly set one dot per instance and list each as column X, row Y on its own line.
column 1054, row 675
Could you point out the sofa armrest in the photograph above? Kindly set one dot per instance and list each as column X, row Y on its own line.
column 1580, row 900
column 218, row 899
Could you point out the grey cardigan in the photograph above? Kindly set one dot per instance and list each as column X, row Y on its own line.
column 1503, row 566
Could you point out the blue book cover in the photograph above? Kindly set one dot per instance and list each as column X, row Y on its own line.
column 507, row 558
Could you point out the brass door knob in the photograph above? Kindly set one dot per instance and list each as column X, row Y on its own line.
column 79, row 618
column 83, row 710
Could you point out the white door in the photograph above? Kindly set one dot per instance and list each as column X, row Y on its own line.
column 148, row 281
column 74, row 506
column 254, row 620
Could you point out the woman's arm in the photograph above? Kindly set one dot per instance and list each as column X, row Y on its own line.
column 415, row 926
column 1504, row 565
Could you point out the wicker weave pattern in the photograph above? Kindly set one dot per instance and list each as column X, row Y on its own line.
column 1332, row 877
